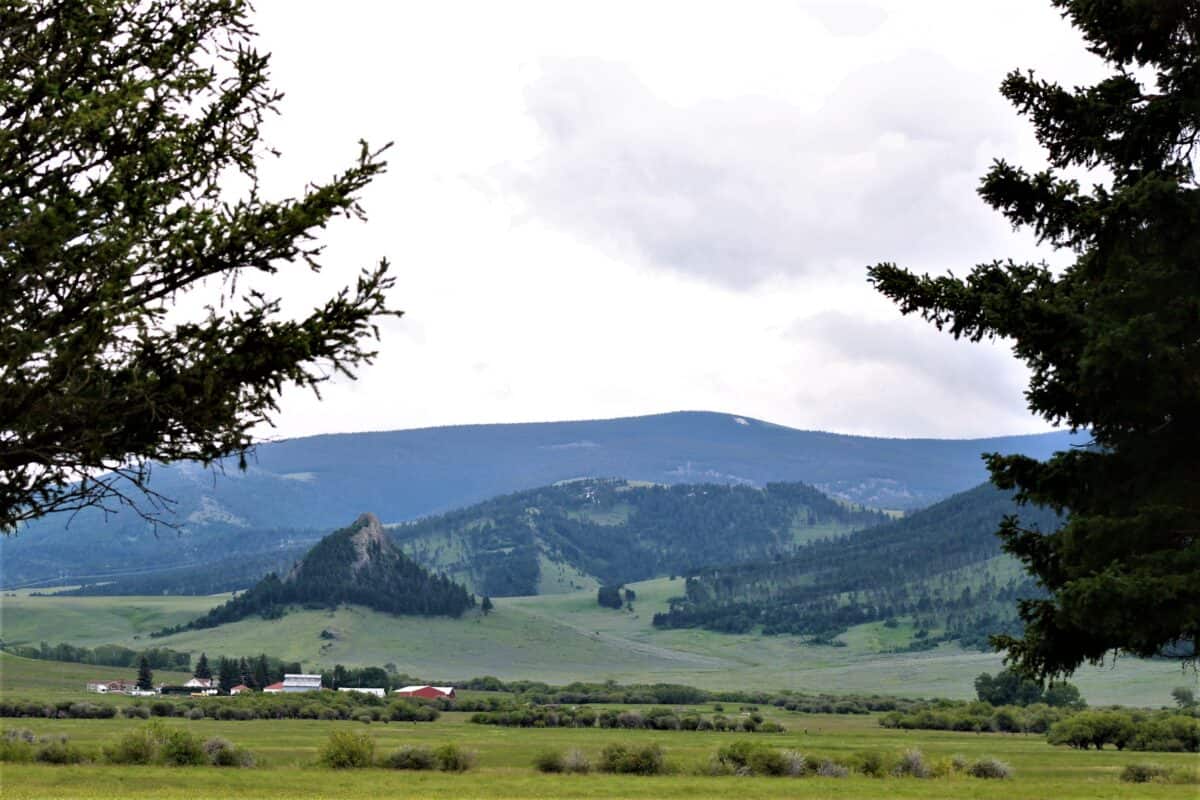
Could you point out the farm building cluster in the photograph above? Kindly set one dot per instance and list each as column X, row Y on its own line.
column 292, row 682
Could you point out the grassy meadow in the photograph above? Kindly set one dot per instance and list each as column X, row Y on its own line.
column 287, row 763
column 559, row 638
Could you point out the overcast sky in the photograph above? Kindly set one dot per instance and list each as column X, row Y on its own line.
column 610, row 209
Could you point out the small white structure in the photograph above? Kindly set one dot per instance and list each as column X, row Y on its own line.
column 274, row 688
column 112, row 687
column 199, row 683
column 299, row 682
column 241, row 687
column 364, row 690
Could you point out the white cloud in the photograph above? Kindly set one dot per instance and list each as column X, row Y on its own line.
column 621, row 208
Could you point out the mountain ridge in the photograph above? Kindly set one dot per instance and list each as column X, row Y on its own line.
column 295, row 490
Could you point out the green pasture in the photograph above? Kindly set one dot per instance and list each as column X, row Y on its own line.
column 560, row 638
column 287, row 751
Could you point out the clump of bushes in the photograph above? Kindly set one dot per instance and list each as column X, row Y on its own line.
column 1144, row 773
column 447, row 758
column 410, row 757
column 224, row 753
column 990, row 768
column 20, row 745
column 156, row 743
column 912, row 763
column 452, row 758
column 346, row 750
column 631, row 760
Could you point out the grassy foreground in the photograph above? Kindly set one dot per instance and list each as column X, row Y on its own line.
column 558, row 638
column 287, row 752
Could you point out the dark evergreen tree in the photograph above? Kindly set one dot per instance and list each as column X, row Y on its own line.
column 1112, row 341
column 202, row 670
column 246, row 674
column 227, row 674
column 262, row 672
column 120, row 124
column 145, row 677
column 486, row 606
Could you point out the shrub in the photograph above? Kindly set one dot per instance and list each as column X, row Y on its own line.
column 179, row 748
column 410, row 758
column 793, row 763
column 871, row 764
column 549, row 761
column 135, row 712
column 912, row 763
column 59, row 751
column 223, row 753
column 576, row 761
column 990, row 768
column 644, row 760
column 832, row 769
column 16, row 745
column 452, row 758
column 195, row 713
column 162, row 708
column 365, row 719
column 1144, row 773
column 751, row 758
column 346, row 750
column 138, row 746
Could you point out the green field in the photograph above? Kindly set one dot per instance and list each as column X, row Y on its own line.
column 287, row 750
column 559, row 639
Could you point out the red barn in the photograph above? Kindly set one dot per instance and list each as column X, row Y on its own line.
column 427, row 692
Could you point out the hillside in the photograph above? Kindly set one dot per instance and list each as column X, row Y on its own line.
column 940, row 569
column 580, row 533
column 296, row 490
column 557, row 638
column 358, row 565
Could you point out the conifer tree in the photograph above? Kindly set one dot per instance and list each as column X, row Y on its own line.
column 262, row 672
column 124, row 126
column 227, row 674
column 202, row 670
column 145, row 678
column 1112, row 341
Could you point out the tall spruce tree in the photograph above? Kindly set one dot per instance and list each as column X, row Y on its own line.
column 202, row 669
column 145, row 677
column 227, row 674
column 1112, row 341
column 122, row 123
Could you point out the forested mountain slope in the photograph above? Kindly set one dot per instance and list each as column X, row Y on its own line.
column 940, row 568
column 294, row 491
column 358, row 565
column 561, row 537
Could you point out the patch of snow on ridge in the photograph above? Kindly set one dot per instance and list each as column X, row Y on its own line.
column 570, row 445
column 741, row 420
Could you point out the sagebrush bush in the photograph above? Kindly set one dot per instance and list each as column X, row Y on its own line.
column 576, row 761
column 346, row 750
column 16, row 745
column 59, row 751
column 135, row 712
column 549, row 761
column 1143, row 773
column 832, row 769
column 223, row 753
column 871, row 764
column 990, row 768
column 195, row 713
column 452, row 758
column 630, row 760
column 410, row 757
column 139, row 746
column 179, row 748
column 912, row 764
